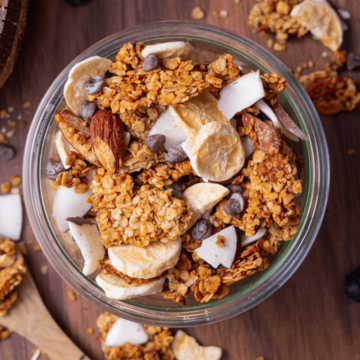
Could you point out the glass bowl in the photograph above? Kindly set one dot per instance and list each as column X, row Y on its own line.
column 209, row 42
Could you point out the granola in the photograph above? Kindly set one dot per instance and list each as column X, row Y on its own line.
column 158, row 346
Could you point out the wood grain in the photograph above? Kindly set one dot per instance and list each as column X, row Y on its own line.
column 309, row 317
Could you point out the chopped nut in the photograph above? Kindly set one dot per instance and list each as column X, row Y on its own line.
column 37, row 248
column 3, row 114
column 21, row 125
column 5, row 187
column 26, row 104
column 279, row 47
column 4, row 334
column 71, row 295
column 90, row 330
column 270, row 43
column 197, row 13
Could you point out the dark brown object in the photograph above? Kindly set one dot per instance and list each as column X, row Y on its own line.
column 88, row 109
column 13, row 16
column 80, row 221
column 151, row 62
column 176, row 154
column 77, row 133
column 235, row 205
column 155, row 142
column 6, row 152
column 176, row 190
column 353, row 61
column 53, row 169
column 268, row 137
column 284, row 117
column 310, row 311
column 201, row 230
column 234, row 188
column 94, row 85
column 107, row 139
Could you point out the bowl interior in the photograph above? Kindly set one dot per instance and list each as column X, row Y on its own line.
column 64, row 254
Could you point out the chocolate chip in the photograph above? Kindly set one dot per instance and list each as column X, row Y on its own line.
column 94, row 85
column 79, row 221
column 353, row 61
column 176, row 154
column 351, row 285
column 235, row 205
column 53, row 169
column 233, row 189
column 177, row 190
column 151, row 62
column 6, row 152
column 109, row 74
column 155, row 142
column 88, row 109
column 201, row 230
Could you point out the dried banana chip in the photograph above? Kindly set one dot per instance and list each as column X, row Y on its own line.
column 217, row 153
column 321, row 20
column 199, row 111
column 74, row 89
column 170, row 50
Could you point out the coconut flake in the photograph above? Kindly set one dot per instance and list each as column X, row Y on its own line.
column 11, row 216
column 246, row 240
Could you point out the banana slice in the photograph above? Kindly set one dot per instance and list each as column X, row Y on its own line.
column 117, row 288
column 204, row 196
column 200, row 110
column 63, row 148
column 322, row 21
column 170, row 50
column 74, row 89
column 217, row 153
column 146, row 262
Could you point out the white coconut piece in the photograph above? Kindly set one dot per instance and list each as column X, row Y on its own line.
column 74, row 89
column 86, row 235
column 268, row 111
column 187, row 146
column 69, row 204
column 345, row 14
column 214, row 255
column 117, row 288
column 127, row 138
column 165, row 125
column 248, row 146
column 202, row 197
column 241, row 94
column 206, row 214
column 63, row 148
column 126, row 331
column 170, row 50
column 186, row 347
column 247, row 240
column 11, row 216
column 145, row 262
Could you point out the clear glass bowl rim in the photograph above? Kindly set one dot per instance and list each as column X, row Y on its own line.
column 320, row 182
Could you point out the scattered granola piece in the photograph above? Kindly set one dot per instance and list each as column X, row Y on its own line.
column 26, row 104
column 223, row 13
column 37, row 248
column 15, row 180
column 311, row 64
column 197, row 13
column 270, row 43
column 216, row 13
column 3, row 114
column 185, row 347
column 2, row 138
column 90, row 330
column 351, row 151
column 10, row 109
column 21, row 125
column 4, row 334
column 220, row 241
column 72, row 295
column 279, row 47
column 15, row 190
column 44, row 269
column 5, row 187
column 22, row 248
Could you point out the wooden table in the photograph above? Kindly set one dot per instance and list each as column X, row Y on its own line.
column 309, row 317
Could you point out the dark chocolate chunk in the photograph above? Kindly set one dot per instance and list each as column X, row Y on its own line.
column 201, row 230
column 88, row 109
column 176, row 190
column 94, row 85
column 6, row 152
column 235, row 205
column 53, row 169
column 109, row 74
column 155, row 142
column 80, row 221
column 351, row 286
column 151, row 62
column 176, row 154
column 233, row 189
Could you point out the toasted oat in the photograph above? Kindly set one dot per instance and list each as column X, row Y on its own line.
column 26, row 104
column 15, row 180
column 11, row 277
column 5, row 187
column 135, row 217
column 44, row 269
column 3, row 114
column 220, row 241
column 174, row 82
column 21, row 125
column 279, row 47
column 4, row 334
column 2, row 138
column 90, row 330
column 270, row 43
column 22, row 248
column 158, row 347
column 71, row 295
column 37, row 248
column 197, row 13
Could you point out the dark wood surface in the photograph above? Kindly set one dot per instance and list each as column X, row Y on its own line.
column 309, row 317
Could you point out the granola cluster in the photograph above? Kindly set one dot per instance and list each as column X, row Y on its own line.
column 11, row 276
column 174, row 82
column 140, row 121
column 136, row 217
column 269, row 186
column 158, row 347
column 273, row 16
